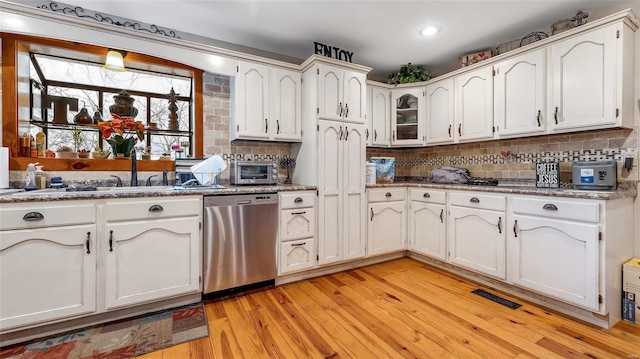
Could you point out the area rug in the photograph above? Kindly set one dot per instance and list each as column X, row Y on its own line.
column 121, row 339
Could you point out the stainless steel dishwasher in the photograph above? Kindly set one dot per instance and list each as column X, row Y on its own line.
column 240, row 235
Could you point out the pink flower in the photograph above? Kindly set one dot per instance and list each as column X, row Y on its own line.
column 175, row 147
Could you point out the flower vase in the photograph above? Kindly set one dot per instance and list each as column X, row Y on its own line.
column 122, row 145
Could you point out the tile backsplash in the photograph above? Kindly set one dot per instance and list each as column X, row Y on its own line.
column 516, row 158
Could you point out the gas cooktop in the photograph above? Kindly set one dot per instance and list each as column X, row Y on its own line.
column 482, row 181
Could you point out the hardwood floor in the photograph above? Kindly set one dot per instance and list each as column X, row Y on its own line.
column 398, row 309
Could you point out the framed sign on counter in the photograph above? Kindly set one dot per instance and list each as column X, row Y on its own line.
column 547, row 175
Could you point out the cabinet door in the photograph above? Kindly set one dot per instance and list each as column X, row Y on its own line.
column 355, row 97
column 286, row 109
column 380, row 117
column 474, row 105
column 329, row 192
column 354, row 204
column 151, row 260
column 387, row 228
column 297, row 255
column 47, row 274
column 297, row 223
column 439, row 109
column 252, row 89
column 477, row 240
column 407, row 116
column 428, row 229
column 555, row 258
column 520, row 91
column 330, row 88
column 584, row 74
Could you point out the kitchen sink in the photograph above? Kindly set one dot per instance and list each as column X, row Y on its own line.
column 96, row 189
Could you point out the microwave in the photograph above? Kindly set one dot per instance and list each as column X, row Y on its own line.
column 253, row 172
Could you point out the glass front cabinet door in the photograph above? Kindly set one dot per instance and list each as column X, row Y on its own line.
column 408, row 117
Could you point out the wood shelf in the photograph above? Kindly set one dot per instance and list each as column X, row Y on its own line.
column 92, row 127
column 89, row 164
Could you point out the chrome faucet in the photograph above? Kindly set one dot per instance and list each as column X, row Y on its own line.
column 134, row 168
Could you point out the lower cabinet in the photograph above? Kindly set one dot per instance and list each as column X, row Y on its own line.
column 427, row 223
column 297, row 248
column 387, row 221
column 47, row 274
column 476, row 233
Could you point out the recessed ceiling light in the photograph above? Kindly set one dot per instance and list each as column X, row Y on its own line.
column 429, row 31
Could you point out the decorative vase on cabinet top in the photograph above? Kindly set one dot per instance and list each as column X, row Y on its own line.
column 123, row 105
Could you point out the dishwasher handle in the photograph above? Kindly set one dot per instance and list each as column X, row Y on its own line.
column 244, row 202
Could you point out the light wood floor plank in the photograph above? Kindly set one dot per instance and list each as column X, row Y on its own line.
column 397, row 309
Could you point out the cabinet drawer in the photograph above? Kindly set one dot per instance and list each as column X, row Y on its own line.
column 387, row 195
column 161, row 207
column 297, row 200
column 297, row 223
column 428, row 196
column 46, row 214
column 556, row 208
column 477, row 200
column 296, row 256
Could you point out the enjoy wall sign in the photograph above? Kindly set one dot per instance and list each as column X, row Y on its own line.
column 333, row 52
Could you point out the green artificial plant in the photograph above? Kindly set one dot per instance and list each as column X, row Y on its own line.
column 409, row 73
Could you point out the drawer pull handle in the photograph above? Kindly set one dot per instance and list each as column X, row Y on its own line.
column 426, row 195
column 499, row 224
column 388, row 194
column 441, row 216
column 550, row 207
column 297, row 200
column 515, row 229
column 88, row 241
column 371, row 214
column 33, row 216
column 110, row 241
column 474, row 200
column 303, row 212
column 156, row 208
column 298, row 244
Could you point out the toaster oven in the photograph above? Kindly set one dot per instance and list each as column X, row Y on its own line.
column 253, row 172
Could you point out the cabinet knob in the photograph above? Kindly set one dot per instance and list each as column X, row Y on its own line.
column 388, row 194
column 426, row 195
column 297, row 200
column 156, row 208
column 33, row 216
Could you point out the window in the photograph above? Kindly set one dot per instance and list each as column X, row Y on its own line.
column 94, row 87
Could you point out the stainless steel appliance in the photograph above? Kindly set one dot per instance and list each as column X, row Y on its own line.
column 595, row 175
column 253, row 172
column 240, row 235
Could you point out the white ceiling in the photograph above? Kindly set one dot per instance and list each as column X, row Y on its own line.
column 381, row 34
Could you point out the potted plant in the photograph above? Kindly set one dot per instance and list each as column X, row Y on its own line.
column 147, row 153
column 78, row 140
column 66, row 152
column 99, row 153
column 83, row 153
column 409, row 73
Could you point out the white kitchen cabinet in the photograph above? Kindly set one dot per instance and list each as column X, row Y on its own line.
column 591, row 82
column 520, row 95
column 152, row 254
column 341, row 94
column 386, row 230
column 379, row 116
column 341, row 199
column 46, row 248
column 407, row 116
column 474, row 105
column 268, row 103
column 476, row 232
column 427, row 222
column 554, row 249
column 297, row 232
column 439, row 112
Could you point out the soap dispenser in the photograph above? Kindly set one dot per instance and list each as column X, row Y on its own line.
column 30, row 182
column 41, row 178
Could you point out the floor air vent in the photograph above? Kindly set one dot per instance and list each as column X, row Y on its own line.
column 507, row 303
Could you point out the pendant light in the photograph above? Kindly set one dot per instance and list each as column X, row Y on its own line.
column 115, row 60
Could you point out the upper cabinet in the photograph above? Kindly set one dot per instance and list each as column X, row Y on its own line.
column 407, row 117
column 378, row 116
column 268, row 103
column 591, row 80
column 474, row 105
column 342, row 94
column 520, row 90
column 439, row 103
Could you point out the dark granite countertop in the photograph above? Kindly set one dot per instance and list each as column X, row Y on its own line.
column 132, row 192
column 624, row 190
